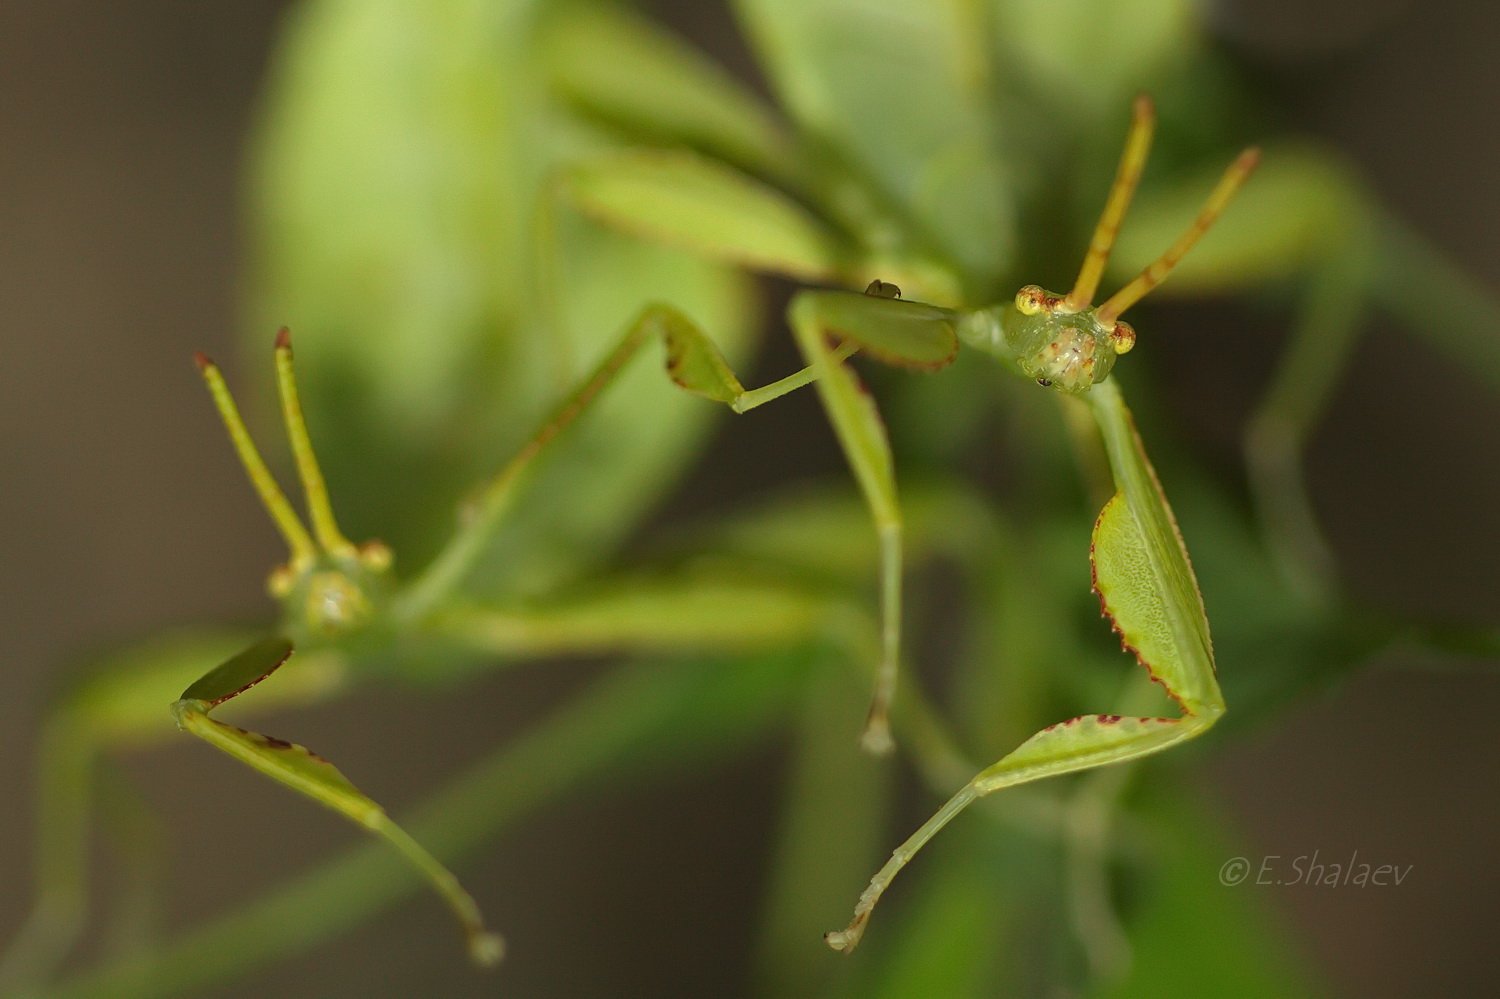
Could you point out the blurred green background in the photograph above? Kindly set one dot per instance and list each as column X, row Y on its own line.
column 122, row 163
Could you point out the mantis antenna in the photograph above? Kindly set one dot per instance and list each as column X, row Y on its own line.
column 325, row 528
column 1127, row 178
column 304, row 551
column 1156, row 272
column 319, row 507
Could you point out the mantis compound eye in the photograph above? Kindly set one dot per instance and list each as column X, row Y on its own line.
column 1122, row 337
column 1032, row 300
column 281, row 581
column 375, row 556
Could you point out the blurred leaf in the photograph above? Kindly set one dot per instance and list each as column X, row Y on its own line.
column 612, row 63
column 1087, row 55
column 828, row 837
column 897, row 90
column 685, row 200
column 402, row 227
column 390, row 188
column 1437, row 300
column 1193, row 935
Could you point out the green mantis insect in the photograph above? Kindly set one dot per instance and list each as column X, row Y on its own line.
column 341, row 596
column 1140, row 566
column 1062, row 342
column 330, row 587
column 321, row 656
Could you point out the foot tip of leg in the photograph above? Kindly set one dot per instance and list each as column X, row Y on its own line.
column 844, row 941
column 486, row 949
column 876, row 739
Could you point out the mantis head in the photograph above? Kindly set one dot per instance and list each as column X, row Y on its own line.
column 1066, row 342
column 1063, row 348
column 335, row 595
column 328, row 586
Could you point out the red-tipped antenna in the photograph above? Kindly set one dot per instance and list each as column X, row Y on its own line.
column 319, row 507
column 304, row 552
column 1127, row 178
column 1157, row 271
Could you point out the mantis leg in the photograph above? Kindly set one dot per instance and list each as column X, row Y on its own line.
column 1147, row 588
column 906, row 333
column 692, row 612
column 870, row 323
column 118, row 705
column 64, row 779
column 133, row 924
column 693, row 362
column 1276, row 436
column 1374, row 264
column 309, row 774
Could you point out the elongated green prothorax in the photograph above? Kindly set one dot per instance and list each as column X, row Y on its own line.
column 329, row 586
column 1064, row 341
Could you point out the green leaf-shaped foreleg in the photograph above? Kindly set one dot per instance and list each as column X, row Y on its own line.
column 1147, row 588
column 308, row 773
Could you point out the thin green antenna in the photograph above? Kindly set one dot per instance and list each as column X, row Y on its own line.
column 1156, row 272
column 1127, row 178
column 304, row 552
column 319, row 508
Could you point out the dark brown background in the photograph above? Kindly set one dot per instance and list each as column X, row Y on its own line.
column 122, row 128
